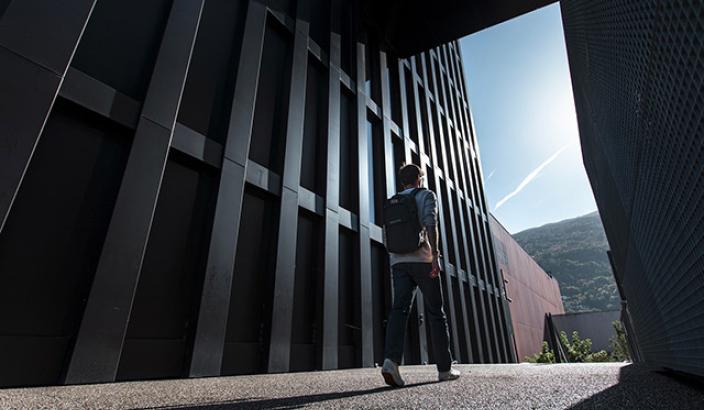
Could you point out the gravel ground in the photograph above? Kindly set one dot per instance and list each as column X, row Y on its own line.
column 520, row 386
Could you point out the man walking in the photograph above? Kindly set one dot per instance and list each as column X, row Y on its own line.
column 411, row 236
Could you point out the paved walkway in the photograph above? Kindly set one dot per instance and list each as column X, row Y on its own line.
column 521, row 386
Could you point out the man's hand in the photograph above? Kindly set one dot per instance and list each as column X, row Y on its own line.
column 433, row 242
column 435, row 272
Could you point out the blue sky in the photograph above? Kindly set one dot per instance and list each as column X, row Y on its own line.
column 521, row 97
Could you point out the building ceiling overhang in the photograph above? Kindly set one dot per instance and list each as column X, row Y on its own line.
column 411, row 26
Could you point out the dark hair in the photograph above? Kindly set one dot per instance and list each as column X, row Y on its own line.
column 409, row 174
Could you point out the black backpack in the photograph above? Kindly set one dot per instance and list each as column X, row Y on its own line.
column 403, row 229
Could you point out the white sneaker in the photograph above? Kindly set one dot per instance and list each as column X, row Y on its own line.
column 391, row 375
column 452, row 374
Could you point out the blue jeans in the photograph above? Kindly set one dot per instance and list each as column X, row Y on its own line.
column 408, row 276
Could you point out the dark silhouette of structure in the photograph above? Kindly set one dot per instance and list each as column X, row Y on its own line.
column 193, row 188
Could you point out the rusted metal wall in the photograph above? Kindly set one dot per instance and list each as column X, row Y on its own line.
column 531, row 292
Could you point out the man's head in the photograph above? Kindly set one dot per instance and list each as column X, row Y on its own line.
column 410, row 176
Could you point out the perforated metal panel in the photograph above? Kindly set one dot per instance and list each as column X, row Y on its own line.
column 638, row 76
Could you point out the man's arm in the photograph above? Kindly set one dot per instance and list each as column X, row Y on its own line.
column 433, row 239
column 430, row 220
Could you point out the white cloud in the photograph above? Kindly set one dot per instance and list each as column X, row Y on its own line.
column 529, row 178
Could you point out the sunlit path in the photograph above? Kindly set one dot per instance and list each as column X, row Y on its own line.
column 521, row 386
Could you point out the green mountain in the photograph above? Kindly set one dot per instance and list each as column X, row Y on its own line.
column 574, row 252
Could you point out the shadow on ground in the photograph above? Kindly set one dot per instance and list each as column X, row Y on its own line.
column 292, row 402
column 649, row 389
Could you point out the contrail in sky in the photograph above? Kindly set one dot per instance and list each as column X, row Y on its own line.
column 529, row 178
column 491, row 174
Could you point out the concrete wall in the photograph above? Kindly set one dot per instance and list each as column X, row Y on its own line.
column 531, row 291
column 596, row 326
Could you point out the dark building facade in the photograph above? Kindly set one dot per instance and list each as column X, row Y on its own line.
column 531, row 293
column 194, row 188
column 638, row 78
